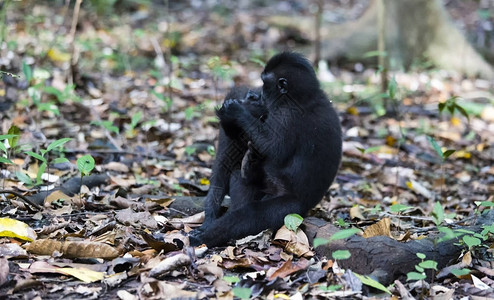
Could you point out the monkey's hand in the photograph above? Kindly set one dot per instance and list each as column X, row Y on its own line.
column 230, row 111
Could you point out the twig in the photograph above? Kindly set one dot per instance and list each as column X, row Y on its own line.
column 22, row 197
column 75, row 20
column 317, row 42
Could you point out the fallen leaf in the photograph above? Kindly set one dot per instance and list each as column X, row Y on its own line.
column 4, row 271
column 16, row 229
column 381, row 228
column 289, row 267
column 73, row 249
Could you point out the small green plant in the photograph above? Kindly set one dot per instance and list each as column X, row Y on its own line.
column 330, row 288
column 372, row 283
column 85, row 164
column 166, row 99
column 293, row 221
column 452, row 105
column 12, row 139
column 130, row 131
column 108, row 125
column 44, row 156
column 189, row 150
column 443, row 155
column 421, row 267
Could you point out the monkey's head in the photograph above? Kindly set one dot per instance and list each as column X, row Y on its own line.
column 291, row 74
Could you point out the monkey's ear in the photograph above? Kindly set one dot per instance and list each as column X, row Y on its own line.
column 282, row 85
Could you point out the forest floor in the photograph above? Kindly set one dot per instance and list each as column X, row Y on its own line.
column 140, row 96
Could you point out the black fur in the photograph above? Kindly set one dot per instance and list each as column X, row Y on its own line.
column 291, row 153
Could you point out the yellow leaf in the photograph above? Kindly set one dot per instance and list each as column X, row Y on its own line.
column 463, row 154
column 455, row 121
column 83, row 274
column 352, row 111
column 410, row 185
column 390, row 140
column 58, row 56
column 16, row 229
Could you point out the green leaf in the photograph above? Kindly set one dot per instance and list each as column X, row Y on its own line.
column 420, row 255
column 23, row 177
column 362, row 150
column 428, row 264
column 375, row 53
column 242, row 293
column 293, row 221
column 211, row 150
column 231, row 279
column 189, row 150
column 36, row 155
column 460, row 272
column 399, row 207
column 343, row 234
column 6, row 161
column 342, row 223
column 60, row 160
column 341, row 254
column 435, row 146
column 471, row 241
column 392, row 88
column 40, row 172
column 14, row 132
column 57, row 143
column 6, row 136
column 415, row 276
column 26, row 69
column 371, row 282
column 487, row 203
column 438, row 213
column 331, row 288
column 320, row 241
column 135, row 119
column 441, row 106
column 462, row 111
column 48, row 107
column 372, row 149
column 85, row 164
column 488, row 229
column 55, row 92
column 448, row 153
column 419, row 269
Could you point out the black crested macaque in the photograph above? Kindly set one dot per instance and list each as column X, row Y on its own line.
column 287, row 157
column 232, row 152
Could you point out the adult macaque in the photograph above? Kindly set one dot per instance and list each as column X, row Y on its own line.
column 276, row 162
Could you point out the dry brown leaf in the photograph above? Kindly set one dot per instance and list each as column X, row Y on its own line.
column 122, row 182
column 116, row 166
column 289, row 267
column 356, row 212
column 73, row 249
column 297, row 243
column 210, row 272
column 58, row 195
column 169, row 264
column 381, row 228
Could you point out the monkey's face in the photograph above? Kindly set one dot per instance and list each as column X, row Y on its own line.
column 274, row 86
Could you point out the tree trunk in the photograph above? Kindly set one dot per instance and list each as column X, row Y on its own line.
column 416, row 31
